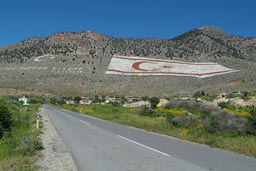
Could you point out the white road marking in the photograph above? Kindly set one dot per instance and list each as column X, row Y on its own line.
column 85, row 122
column 142, row 145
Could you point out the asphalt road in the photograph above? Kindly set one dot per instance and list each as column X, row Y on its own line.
column 98, row 145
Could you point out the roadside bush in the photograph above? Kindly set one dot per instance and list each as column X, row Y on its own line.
column 35, row 100
column 212, row 118
column 184, row 121
column 29, row 145
column 210, row 123
column 169, row 119
column 5, row 118
column 224, row 123
column 1, row 131
column 251, row 124
column 57, row 100
column 146, row 111
column 181, row 121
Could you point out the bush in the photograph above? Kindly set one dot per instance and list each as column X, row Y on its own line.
column 251, row 124
column 234, row 95
column 224, row 105
column 5, row 118
column 169, row 119
column 1, row 131
column 197, row 94
column 213, row 119
column 184, row 121
column 29, row 145
column 77, row 99
column 210, row 122
column 154, row 102
column 223, row 123
column 146, row 111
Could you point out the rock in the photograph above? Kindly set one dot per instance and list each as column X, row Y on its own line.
column 138, row 104
column 162, row 103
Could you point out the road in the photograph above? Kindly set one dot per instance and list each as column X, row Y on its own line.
column 98, row 145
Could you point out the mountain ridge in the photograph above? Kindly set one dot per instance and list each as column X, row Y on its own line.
column 93, row 51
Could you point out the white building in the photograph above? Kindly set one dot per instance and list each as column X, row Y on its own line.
column 24, row 100
column 85, row 100
column 111, row 100
column 70, row 102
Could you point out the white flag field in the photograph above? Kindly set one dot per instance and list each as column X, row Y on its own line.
column 124, row 65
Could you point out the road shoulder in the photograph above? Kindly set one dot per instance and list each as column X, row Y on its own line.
column 55, row 155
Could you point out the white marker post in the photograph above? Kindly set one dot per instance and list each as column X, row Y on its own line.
column 37, row 122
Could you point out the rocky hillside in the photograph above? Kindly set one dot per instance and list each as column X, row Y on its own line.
column 76, row 63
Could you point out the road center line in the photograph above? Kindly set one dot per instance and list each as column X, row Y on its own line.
column 85, row 122
column 152, row 149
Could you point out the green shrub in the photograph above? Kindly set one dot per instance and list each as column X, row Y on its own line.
column 226, row 105
column 210, row 123
column 251, row 124
column 29, row 145
column 181, row 121
column 234, row 95
column 5, row 118
column 185, row 120
column 146, row 111
column 77, row 99
column 1, row 131
column 154, row 102
column 169, row 119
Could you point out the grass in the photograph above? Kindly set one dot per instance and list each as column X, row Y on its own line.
column 243, row 144
column 239, row 112
column 19, row 148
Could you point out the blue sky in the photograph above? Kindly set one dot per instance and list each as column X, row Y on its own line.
column 21, row 19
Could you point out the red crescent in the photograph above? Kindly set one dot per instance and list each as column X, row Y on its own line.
column 136, row 66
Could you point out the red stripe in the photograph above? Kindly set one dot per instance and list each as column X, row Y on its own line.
column 171, row 73
column 156, row 60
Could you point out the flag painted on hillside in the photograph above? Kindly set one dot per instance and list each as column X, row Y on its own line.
column 124, row 65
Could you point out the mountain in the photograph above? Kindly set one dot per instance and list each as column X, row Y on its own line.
column 78, row 61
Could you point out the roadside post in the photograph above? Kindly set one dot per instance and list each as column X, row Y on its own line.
column 37, row 122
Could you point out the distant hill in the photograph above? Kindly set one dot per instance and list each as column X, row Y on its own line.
column 75, row 62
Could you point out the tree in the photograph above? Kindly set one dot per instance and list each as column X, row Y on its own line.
column 77, row 99
column 197, row 94
column 145, row 98
column 154, row 101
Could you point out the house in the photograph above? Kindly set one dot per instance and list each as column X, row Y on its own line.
column 85, row 100
column 70, row 102
column 24, row 100
column 132, row 99
column 111, row 100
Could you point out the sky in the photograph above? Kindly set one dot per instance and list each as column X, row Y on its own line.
column 22, row 19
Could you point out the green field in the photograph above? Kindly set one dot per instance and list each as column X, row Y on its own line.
column 243, row 144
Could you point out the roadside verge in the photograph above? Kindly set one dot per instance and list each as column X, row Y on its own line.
column 55, row 155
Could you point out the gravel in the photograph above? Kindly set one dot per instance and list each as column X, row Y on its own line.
column 55, row 155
